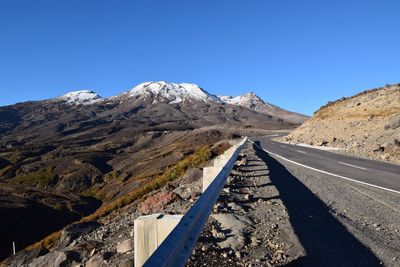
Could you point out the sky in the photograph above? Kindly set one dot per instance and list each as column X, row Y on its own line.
column 294, row 54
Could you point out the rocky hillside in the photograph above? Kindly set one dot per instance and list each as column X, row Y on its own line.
column 367, row 125
column 71, row 154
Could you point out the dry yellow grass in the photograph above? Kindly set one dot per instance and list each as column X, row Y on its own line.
column 47, row 242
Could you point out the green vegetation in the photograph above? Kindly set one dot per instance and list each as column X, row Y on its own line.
column 116, row 175
column 92, row 192
column 40, row 178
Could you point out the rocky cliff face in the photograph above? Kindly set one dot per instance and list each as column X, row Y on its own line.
column 367, row 124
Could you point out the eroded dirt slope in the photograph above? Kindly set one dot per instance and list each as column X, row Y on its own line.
column 367, row 124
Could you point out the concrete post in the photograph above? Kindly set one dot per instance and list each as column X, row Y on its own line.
column 209, row 173
column 221, row 160
column 149, row 232
column 229, row 152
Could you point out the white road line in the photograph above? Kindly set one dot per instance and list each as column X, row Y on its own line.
column 301, row 151
column 282, row 146
column 329, row 173
column 271, row 135
column 354, row 166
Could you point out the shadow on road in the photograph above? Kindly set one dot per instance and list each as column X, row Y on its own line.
column 325, row 240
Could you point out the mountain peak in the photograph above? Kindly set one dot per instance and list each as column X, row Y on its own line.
column 171, row 92
column 83, row 97
column 250, row 100
column 251, row 94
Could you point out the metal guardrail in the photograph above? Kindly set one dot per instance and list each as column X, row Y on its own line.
column 176, row 249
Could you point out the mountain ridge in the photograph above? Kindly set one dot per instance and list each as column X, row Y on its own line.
column 154, row 92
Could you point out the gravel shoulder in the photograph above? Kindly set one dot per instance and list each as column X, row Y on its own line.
column 250, row 225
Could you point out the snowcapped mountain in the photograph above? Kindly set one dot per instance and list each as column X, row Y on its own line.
column 150, row 93
column 249, row 100
column 171, row 93
column 83, row 97
column 252, row 101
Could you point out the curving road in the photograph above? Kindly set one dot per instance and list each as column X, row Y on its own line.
column 373, row 173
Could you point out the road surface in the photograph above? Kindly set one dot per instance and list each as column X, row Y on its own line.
column 374, row 173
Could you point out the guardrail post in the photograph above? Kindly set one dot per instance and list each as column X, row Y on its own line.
column 222, row 159
column 209, row 174
column 149, row 232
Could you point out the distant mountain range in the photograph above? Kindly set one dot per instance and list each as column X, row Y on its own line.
column 172, row 93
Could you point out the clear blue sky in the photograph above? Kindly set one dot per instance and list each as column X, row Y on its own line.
column 295, row 54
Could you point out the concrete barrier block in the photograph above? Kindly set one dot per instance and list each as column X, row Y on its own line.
column 229, row 152
column 220, row 161
column 209, row 173
column 150, row 232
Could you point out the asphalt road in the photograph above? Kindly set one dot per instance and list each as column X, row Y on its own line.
column 375, row 173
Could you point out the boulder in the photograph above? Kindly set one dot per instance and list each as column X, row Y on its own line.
column 24, row 257
column 216, row 233
column 235, row 207
column 385, row 156
column 249, row 197
column 126, row 263
column 377, row 148
column 186, row 191
column 73, row 231
column 323, row 143
column 355, row 145
column 237, row 226
column 394, row 122
column 57, row 258
column 98, row 260
column 125, row 246
column 157, row 202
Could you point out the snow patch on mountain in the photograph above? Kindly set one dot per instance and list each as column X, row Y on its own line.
column 249, row 100
column 172, row 92
column 254, row 102
column 84, row 97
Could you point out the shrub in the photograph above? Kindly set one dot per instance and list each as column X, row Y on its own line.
column 40, row 178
